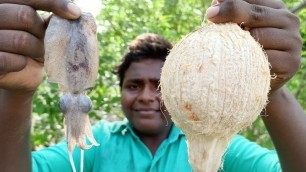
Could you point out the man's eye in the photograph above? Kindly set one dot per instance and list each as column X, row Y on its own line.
column 132, row 87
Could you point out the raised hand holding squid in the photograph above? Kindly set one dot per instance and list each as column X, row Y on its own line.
column 71, row 61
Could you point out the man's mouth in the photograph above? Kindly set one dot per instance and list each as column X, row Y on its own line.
column 145, row 112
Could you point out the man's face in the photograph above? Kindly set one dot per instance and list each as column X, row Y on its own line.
column 141, row 99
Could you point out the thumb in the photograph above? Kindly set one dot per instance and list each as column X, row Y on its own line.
column 62, row 8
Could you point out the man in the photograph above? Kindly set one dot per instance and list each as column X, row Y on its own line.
column 275, row 28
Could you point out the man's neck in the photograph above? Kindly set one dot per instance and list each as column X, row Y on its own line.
column 153, row 141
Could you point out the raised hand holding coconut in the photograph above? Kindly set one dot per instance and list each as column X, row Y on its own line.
column 274, row 27
column 277, row 30
column 198, row 114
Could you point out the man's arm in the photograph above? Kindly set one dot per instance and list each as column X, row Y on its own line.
column 286, row 123
column 277, row 30
column 21, row 71
column 15, row 125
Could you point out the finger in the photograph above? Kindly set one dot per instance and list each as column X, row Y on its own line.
column 276, row 4
column 267, row 3
column 283, row 66
column 11, row 62
column 273, row 38
column 21, row 17
column 61, row 8
column 283, row 63
column 249, row 14
column 22, row 43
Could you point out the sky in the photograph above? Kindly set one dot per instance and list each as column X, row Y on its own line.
column 92, row 6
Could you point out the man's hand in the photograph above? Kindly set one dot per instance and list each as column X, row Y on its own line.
column 277, row 30
column 22, row 33
column 272, row 25
column 22, row 40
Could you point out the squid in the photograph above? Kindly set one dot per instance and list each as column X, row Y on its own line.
column 71, row 61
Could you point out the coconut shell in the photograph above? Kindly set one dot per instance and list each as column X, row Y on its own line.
column 214, row 82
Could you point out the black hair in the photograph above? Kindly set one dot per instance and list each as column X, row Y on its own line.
column 144, row 46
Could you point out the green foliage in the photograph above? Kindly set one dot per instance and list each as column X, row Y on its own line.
column 118, row 23
column 298, row 84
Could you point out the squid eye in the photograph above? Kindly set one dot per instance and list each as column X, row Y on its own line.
column 64, row 103
column 85, row 103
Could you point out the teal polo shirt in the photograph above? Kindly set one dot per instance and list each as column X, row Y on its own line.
column 121, row 150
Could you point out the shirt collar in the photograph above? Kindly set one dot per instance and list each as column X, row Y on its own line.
column 175, row 133
column 124, row 126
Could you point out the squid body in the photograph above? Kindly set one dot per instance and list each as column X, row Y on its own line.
column 71, row 61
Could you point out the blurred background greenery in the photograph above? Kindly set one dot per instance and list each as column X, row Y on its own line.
column 118, row 23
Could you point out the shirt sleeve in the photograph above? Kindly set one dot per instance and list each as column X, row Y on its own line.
column 243, row 155
column 51, row 159
column 56, row 158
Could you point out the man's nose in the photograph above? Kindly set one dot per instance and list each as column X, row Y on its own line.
column 148, row 95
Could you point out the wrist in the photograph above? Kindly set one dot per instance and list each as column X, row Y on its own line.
column 16, row 94
column 277, row 93
column 15, row 103
column 273, row 98
column 15, row 112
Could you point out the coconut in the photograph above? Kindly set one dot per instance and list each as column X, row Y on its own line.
column 214, row 82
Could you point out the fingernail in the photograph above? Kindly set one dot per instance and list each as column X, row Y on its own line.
column 74, row 9
column 212, row 11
